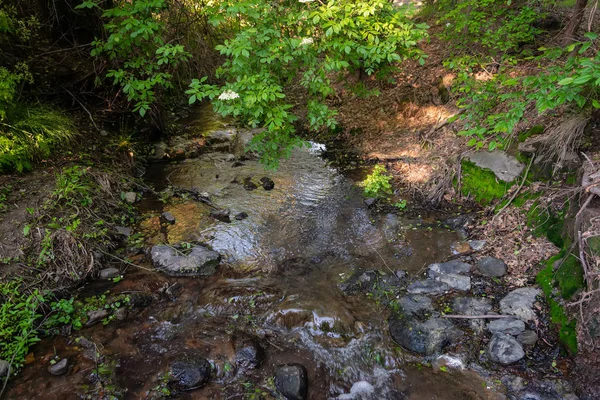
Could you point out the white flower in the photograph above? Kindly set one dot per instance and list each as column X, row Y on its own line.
column 228, row 95
column 305, row 1
column 306, row 41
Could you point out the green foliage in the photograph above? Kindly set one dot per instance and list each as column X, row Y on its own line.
column 377, row 183
column 144, row 59
column 270, row 46
column 73, row 186
column 481, row 184
column 18, row 316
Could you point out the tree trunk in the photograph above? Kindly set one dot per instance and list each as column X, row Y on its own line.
column 574, row 22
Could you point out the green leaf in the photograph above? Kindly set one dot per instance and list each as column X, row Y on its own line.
column 565, row 81
column 26, row 230
column 595, row 103
column 192, row 99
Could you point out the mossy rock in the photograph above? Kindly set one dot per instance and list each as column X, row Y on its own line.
column 482, row 184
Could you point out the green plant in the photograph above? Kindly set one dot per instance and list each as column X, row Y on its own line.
column 18, row 322
column 377, row 183
column 270, row 46
column 401, row 204
column 73, row 186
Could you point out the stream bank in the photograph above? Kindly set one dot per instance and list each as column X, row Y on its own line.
column 289, row 282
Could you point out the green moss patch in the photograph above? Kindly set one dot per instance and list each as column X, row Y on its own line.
column 482, row 184
column 534, row 130
column 545, row 222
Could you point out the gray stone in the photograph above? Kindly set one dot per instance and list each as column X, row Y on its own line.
column 510, row 326
column 59, row 368
column 458, row 282
column 400, row 274
column 201, row 261
column 291, row 381
column 427, row 338
column 415, row 304
column 95, row 316
column 370, row 202
column 189, row 375
column 477, row 245
column 130, row 197
column 504, row 349
column 248, row 353
column 519, row 302
column 123, row 231
column 4, row 366
column 221, row 136
column 167, row 217
column 428, row 286
column 527, row 338
column 450, row 267
column 490, row 266
column 472, row 306
column 505, row 167
column 109, row 273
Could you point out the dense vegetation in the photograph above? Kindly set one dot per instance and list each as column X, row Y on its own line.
column 277, row 65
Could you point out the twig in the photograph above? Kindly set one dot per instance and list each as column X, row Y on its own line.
column 384, row 263
column 124, row 261
column 516, row 191
column 82, row 106
column 487, row 316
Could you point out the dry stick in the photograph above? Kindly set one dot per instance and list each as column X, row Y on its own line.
column 124, row 261
column 516, row 191
column 384, row 263
column 477, row 316
column 82, row 106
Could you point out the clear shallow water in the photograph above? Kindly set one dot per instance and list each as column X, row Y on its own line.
column 279, row 283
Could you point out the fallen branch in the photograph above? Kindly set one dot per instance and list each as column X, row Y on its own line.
column 487, row 316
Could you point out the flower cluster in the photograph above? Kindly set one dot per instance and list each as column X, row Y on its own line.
column 228, row 95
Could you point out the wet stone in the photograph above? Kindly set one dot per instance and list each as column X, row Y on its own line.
column 95, row 316
column 361, row 281
column 429, row 337
column 527, row 338
column 428, row 286
column 121, row 314
column 221, row 215
column 291, row 381
column 450, row 267
column 189, row 375
column 492, row 267
column 59, row 368
column 201, row 261
column 248, row 353
column 109, row 273
column 167, row 218
column 519, row 302
column 400, row 274
column 509, row 326
column 241, row 216
column 504, row 349
column 458, row 222
column 267, row 183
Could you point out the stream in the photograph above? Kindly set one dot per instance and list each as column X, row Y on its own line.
column 279, row 291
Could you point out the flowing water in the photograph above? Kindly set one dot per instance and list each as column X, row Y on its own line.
column 278, row 283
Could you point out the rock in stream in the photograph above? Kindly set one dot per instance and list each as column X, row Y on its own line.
column 200, row 261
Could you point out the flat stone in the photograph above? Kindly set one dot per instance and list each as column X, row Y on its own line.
column 109, row 273
column 509, row 326
column 428, row 286
column 130, row 197
column 95, row 316
column 201, row 261
column 519, row 302
column 59, row 368
column 189, row 375
column 504, row 349
column 492, row 267
column 458, row 282
column 429, row 337
column 506, row 168
column 527, row 338
column 450, row 267
column 291, row 381
column 415, row 304
column 167, row 217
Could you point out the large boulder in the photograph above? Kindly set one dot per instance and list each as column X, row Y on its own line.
column 426, row 338
column 200, row 261
column 291, row 381
column 504, row 349
column 519, row 303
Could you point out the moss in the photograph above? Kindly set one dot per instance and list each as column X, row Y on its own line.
column 481, row 184
column 534, row 130
column 545, row 222
column 569, row 277
column 520, row 200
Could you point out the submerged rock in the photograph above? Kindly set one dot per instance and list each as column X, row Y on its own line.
column 427, row 338
column 59, row 368
column 201, row 261
column 189, row 375
column 490, row 266
column 519, row 302
column 95, row 316
column 267, row 183
column 361, row 281
column 248, row 353
column 509, row 326
column 291, row 381
column 428, row 286
column 504, row 349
